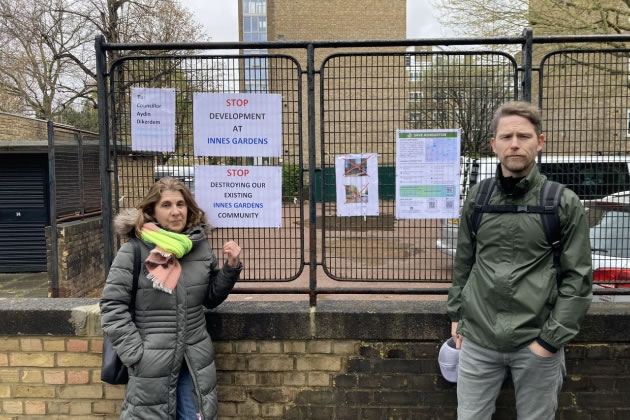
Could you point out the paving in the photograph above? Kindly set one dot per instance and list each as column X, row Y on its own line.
column 25, row 285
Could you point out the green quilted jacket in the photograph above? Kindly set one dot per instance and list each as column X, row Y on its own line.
column 168, row 329
column 506, row 294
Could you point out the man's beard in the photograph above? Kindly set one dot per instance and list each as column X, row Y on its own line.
column 519, row 165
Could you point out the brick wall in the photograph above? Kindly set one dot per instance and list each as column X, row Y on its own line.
column 281, row 360
column 349, row 379
column 18, row 128
column 15, row 127
column 80, row 257
column 55, row 376
column 335, row 20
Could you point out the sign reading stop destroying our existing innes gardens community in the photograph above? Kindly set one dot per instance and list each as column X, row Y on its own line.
column 237, row 124
column 240, row 196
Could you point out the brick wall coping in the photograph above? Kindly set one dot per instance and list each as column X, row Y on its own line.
column 364, row 320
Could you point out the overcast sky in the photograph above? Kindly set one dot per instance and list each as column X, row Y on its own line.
column 220, row 17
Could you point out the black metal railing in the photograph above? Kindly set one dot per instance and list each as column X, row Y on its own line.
column 74, row 184
column 350, row 97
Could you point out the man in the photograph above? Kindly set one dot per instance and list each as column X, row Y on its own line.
column 508, row 309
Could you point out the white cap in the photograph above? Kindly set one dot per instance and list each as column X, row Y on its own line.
column 448, row 360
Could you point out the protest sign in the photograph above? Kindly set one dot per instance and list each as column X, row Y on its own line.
column 240, row 196
column 237, row 124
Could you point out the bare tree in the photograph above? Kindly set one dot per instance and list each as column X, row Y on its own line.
column 47, row 55
column 461, row 91
column 508, row 17
column 137, row 21
column 11, row 104
column 34, row 35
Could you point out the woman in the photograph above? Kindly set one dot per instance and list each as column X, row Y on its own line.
column 167, row 349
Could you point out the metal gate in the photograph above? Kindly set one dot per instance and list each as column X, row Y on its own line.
column 136, row 171
column 350, row 97
column 366, row 97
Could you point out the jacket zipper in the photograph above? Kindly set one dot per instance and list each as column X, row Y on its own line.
column 193, row 375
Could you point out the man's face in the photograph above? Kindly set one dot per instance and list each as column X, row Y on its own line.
column 516, row 145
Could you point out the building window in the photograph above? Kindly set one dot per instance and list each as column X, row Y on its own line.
column 628, row 123
column 254, row 20
column 410, row 61
column 415, row 96
column 415, row 76
column 415, row 116
column 255, row 30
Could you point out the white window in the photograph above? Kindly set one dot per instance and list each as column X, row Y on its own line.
column 415, row 76
column 415, row 116
column 415, row 96
column 628, row 123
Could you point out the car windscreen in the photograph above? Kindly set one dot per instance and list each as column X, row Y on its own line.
column 589, row 180
column 610, row 232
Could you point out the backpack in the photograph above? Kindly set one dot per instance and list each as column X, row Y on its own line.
column 550, row 195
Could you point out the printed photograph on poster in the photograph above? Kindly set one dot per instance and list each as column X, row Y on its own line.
column 357, row 184
column 427, row 174
column 237, row 124
column 240, row 196
column 153, row 119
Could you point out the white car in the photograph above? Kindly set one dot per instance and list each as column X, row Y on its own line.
column 609, row 233
column 609, row 221
column 186, row 174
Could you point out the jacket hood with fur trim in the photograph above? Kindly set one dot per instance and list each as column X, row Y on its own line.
column 125, row 226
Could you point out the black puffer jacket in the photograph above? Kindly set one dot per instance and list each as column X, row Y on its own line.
column 168, row 329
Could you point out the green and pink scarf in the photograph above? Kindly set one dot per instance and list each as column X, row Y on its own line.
column 162, row 263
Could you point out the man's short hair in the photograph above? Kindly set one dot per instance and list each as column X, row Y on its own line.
column 522, row 109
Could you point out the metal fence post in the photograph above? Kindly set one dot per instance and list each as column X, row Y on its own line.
column 312, row 201
column 526, row 82
column 103, row 128
column 80, row 156
column 52, row 203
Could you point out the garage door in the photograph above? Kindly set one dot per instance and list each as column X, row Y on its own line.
column 23, row 212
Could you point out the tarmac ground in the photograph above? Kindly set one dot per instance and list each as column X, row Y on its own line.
column 35, row 285
column 26, row 285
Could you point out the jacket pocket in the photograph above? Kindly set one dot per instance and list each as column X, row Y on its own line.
column 466, row 291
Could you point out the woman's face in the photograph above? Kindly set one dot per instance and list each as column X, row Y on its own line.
column 171, row 211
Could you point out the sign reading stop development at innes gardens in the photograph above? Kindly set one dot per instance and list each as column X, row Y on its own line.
column 237, row 124
column 240, row 196
column 153, row 119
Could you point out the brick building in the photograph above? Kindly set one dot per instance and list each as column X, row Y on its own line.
column 586, row 94
column 359, row 86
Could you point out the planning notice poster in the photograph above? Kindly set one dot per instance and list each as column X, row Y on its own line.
column 357, row 184
column 427, row 174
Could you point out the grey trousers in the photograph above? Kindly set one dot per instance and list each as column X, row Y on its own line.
column 481, row 372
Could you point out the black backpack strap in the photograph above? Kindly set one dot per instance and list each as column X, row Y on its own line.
column 135, row 243
column 513, row 208
column 481, row 203
column 550, row 195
